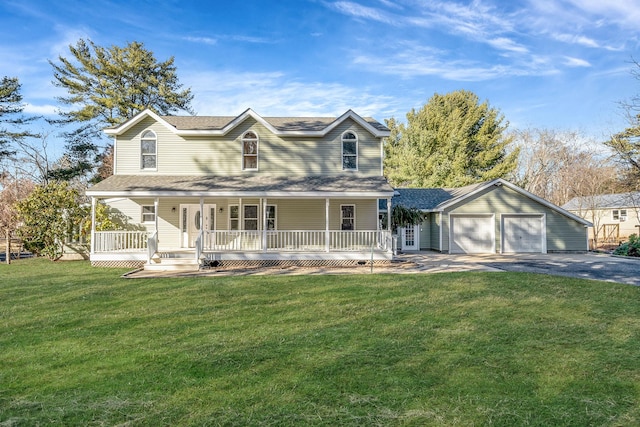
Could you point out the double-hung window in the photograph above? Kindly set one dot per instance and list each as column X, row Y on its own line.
column 349, row 151
column 250, row 217
column 347, row 217
column 148, row 213
column 619, row 214
column 250, row 151
column 148, row 150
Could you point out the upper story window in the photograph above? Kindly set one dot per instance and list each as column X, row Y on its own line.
column 250, row 151
column 349, row 151
column 148, row 150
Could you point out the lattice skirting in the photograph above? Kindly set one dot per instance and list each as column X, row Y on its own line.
column 229, row 264
column 119, row 264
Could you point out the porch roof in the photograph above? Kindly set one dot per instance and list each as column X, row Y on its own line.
column 344, row 186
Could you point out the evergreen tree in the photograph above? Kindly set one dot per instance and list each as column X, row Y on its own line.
column 453, row 140
column 11, row 119
column 107, row 86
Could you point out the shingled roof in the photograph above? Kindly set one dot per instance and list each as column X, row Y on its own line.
column 241, row 186
column 219, row 125
column 621, row 200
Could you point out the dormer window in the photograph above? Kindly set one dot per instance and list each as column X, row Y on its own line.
column 250, row 151
column 148, row 153
column 349, row 151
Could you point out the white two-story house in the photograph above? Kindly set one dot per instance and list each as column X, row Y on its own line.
column 242, row 190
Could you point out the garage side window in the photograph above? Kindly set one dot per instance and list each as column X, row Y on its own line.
column 148, row 150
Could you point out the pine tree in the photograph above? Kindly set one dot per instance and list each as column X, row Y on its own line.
column 107, row 86
column 452, row 141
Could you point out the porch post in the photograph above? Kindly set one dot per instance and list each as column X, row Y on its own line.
column 389, row 214
column 93, row 225
column 389, row 209
column 156, row 203
column 264, row 224
column 326, row 224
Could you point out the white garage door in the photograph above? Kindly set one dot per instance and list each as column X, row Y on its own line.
column 472, row 234
column 522, row 233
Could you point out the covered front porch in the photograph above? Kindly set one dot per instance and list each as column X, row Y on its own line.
column 220, row 228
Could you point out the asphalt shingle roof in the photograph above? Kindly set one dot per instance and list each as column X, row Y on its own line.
column 428, row 198
column 621, row 200
column 184, row 185
column 280, row 123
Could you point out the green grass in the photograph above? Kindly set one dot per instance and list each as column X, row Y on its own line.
column 82, row 346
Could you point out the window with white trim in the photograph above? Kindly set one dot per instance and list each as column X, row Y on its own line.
column 271, row 218
column 349, row 151
column 619, row 214
column 347, row 217
column 148, row 150
column 234, row 217
column 250, row 151
column 148, row 213
column 250, row 217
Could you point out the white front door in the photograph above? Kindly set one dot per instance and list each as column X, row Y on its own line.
column 411, row 238
column 191, row 220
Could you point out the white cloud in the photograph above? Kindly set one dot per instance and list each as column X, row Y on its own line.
column 358, row 11
column 275, row 94
column 576, row 62
column 204, row 40
column 41, row 110
column 503, row 43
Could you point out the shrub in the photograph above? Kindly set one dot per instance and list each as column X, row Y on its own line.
column 629, row 248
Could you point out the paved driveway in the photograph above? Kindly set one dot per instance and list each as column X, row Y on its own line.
column 586, row 266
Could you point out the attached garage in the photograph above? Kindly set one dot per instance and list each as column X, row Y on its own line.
column 472, row 234
column 523, row 233
column 493, row 217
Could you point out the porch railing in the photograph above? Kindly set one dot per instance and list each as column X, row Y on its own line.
column 252, row 241
column 120, row 241
column 297, row 241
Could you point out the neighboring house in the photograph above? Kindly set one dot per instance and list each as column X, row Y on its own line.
column 614, row 216
column 244, row 190
column 491, row 217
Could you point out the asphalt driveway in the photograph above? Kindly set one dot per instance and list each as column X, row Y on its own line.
column 586, row 266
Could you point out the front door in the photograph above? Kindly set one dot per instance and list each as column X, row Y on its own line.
column 191, row 220
column 410, row 238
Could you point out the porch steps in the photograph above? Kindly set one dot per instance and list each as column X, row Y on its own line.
column 173, row 262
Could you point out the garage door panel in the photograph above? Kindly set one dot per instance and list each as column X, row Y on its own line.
column 472, row 234
column 523, row 233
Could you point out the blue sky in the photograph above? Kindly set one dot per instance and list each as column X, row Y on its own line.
column 560, row 64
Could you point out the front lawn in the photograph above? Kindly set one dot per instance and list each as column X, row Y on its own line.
column 82, row 346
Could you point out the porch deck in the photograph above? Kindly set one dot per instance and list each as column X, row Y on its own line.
column 136, row 248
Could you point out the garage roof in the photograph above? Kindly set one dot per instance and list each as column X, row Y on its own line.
column 438, row 199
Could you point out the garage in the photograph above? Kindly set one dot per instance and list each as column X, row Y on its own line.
column 472, row 234
column 523, row 234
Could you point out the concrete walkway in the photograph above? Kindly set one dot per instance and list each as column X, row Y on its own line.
column 422, row 262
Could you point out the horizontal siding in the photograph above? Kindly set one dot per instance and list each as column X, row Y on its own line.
column 291, row 214
column 563, row 233
column 277, row 155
